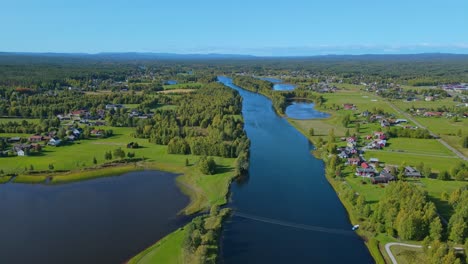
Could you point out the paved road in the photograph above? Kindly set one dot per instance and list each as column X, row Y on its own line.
column 458, row 153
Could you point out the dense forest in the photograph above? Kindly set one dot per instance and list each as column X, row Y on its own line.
column 206, row 122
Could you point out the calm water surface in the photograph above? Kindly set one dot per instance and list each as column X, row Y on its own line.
column 278, row 84
column 302, row 110
column 287, row 185
column 105, row 220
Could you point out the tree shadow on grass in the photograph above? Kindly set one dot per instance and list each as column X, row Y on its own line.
column 223, row 169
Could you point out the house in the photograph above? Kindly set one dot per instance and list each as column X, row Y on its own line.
column 76, row 132
column 343, row 155
column 411, row 172
column 429, row 98
column 71, row 138
column 97, row 132
column 380, row 135
column 374, row 160
column 36, row 138
column 430, row 114
column 354, row 161
column 14, row 139
column 114, row 106
column 21, row 149
column 349, row 107
column 384, row 123
column 384, row 177
column 365, row 172
column 365, row 113
column 79, row 113
column 55, row 141
column 398, row 121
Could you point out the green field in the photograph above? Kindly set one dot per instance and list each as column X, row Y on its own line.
column 408, row 255
column 183, row 86
column 167, row 250
column 204, row 190
column 19, row 120
column 408, row 150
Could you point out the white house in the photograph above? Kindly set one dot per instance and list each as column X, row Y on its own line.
column 21, row 153
column 55, row 141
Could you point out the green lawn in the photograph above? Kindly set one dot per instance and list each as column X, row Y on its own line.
column 183, row 86
column 420, row 146
column 167, row 250
column 204, row 190
column 4, row 179
column 408, row 255
column 19, row 120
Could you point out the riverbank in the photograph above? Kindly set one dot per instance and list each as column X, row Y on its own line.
column 203, row 190
column 169, row 250
column 371, row 242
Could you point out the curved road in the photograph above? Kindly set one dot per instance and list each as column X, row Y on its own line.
column 389, row 252
column 458, row 153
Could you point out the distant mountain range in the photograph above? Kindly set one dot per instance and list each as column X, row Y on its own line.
column 138, row 56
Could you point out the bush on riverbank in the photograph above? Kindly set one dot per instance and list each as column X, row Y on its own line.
column 201, row 244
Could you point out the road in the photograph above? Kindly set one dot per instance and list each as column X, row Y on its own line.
column 458, row 153
column 390, row 254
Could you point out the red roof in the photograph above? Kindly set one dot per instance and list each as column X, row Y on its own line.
column 364, row 165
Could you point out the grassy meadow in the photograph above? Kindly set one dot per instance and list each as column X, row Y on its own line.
column 77, row 157
column 408, row 150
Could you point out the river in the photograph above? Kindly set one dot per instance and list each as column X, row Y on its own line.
column 106, row 220
column 286, row 212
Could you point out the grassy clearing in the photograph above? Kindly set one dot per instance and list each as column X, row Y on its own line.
column 419, row 146
column 436, row 162
column 19, row 120
column 4, row 179
column 446, row 128
column 408, row 255
column 29, row 179
column 183, row 86
column 204, row 190
column 92, row 174
column 167, row 250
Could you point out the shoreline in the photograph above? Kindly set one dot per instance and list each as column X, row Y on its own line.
column 377, row 255
column 184, row 179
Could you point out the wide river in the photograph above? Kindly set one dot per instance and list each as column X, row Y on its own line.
column 106, row 220
column 286, row 212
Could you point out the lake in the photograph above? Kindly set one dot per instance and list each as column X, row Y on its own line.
column 105, row 220
column 278, row 84
column 303, row 110
column 286, row 211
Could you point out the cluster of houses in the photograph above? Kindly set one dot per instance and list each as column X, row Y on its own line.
column 370, row 168
column 427, row 113
column 24, row 146
column 84, row 116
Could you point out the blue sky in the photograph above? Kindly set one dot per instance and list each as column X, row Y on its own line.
column 259, row 27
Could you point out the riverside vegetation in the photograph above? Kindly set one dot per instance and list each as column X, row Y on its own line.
column 195, row 128
column 401, row 210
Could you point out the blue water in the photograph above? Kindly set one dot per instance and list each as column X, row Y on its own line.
column 171, row 82
column 285, row 183
column 301, row 110
column 278, row 84
column 106, row 220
